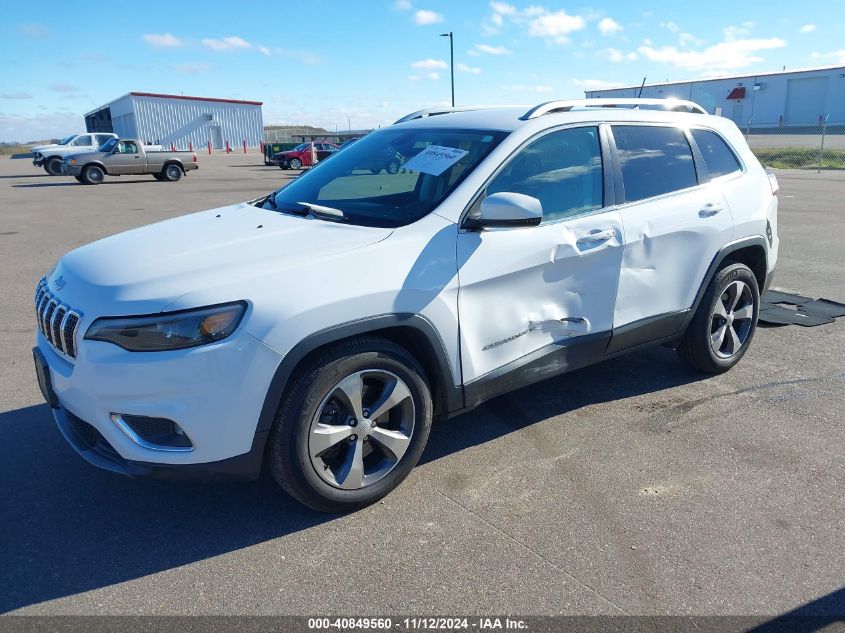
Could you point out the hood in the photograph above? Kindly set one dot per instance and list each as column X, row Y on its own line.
column 143, row 270
column 84, row 157
column 38, row 148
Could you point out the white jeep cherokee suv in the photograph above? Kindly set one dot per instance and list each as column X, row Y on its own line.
column 321, row 328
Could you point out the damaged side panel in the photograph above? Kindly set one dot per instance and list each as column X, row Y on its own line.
column 524, row 289
column 669, row 244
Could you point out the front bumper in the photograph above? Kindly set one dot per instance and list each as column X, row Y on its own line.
column 215, row 393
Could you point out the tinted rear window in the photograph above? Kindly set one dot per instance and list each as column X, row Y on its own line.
column 718, row 157
column 655, row 160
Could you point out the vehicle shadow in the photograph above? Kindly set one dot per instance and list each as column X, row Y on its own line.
column 78, row 184
column 30, row 176
column 70, row 528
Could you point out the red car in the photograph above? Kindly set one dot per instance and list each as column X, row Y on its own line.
column 300, row 156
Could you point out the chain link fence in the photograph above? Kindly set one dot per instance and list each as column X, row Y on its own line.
column 816, row 146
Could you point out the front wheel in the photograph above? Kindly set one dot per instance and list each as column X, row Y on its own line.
column 393, row 167
column 53, row 166
column 93, row 175
column 79, row 179
column 724, row 323
column 352, row 426
column 296, row 164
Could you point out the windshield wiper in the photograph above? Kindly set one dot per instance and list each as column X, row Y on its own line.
column 325, row 213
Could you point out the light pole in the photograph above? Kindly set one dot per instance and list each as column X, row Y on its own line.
column 451, row 61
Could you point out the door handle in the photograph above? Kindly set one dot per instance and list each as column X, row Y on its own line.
column 709, row 210
column 598, row 236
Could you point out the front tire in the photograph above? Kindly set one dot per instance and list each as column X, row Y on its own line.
column 296, row 164
column 393, row 167
column 352, row 425
column 93, row 175
column 53, row 166
column 724, row 323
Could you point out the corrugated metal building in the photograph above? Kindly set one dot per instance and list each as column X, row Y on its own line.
column 165, row 119
column 793, row 97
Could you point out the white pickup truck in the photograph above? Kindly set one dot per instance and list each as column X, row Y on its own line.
column 50, row 156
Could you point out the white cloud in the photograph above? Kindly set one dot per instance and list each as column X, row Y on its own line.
column 725, row 55
column 226, row 43
column 306, row 57
column 556, row 26
column 424, row 17
column 688, row 39
column 35, row 31
column 161, row 40
column 492, row 50
column 191, row 69
column 264, row 51
column 433, row 76
column 617, row 56
column 526, row 88
column 807, row 28
column 464, row 68
column 595, row 84
column 503, row 8
column 15, row 95
column 736, row 32
column 429, row 64
column 402, row 5
column 839, row 56
column 670, row 26
column 609, row 26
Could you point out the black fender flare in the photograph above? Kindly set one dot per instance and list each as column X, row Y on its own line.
column 723, row 254
column 443, row 382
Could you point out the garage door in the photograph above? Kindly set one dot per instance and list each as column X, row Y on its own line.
column 805, row 98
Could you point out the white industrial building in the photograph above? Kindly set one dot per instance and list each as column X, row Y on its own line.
column 785, row 98
column 180, row 120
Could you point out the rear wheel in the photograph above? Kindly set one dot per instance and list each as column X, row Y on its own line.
column 53, row 166
column 93, row 175
column 158, row 177
column 352, row 426
column 171, row 172
column 724, row 324
column 295, row 163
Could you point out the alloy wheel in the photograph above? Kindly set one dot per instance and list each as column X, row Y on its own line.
column 732, row 319
column 362, row 429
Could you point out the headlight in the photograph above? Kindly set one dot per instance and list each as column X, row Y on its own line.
column 169, row 330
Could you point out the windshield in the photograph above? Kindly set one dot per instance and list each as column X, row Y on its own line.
column 67, row 139
column 300, row 147
column 391, row 177
column 108, row 145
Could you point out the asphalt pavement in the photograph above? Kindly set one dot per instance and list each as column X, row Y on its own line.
column 632, row 487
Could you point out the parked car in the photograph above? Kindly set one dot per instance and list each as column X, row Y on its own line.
column 300, row 156
column 50, row 156
column 125, row 157
column 325, row 325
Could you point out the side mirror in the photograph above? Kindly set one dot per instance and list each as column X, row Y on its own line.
column 506, row 209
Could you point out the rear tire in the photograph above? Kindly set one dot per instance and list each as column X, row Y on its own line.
column 171, row 172
column 159, row 177
column 93, row 175
column 724, row 323
column 327, row 458
column 53, row 166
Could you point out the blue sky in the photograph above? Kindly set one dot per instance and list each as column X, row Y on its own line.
column 322, row 61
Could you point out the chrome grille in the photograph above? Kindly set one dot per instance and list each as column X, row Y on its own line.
column 56, row 321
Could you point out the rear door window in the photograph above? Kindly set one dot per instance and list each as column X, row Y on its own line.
column 718, row 157
column 654, row 160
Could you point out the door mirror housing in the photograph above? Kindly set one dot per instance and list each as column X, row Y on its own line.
column 506, row 209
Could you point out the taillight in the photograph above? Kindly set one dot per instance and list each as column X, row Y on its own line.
column 773, row 183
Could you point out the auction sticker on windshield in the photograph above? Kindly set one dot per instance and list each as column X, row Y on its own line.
column 435, row 159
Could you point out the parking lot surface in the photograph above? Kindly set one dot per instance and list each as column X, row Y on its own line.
column 634, row 486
